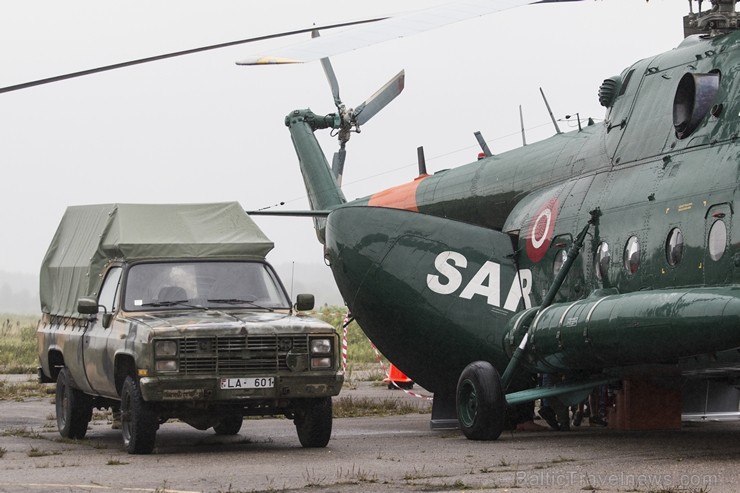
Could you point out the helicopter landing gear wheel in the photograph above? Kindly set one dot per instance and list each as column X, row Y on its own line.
column 480, row 402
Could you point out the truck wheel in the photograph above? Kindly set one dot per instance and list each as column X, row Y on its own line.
column 138, row 420
column 74, row 407
column 480, row 402
column 229, row 425
column 313, row 422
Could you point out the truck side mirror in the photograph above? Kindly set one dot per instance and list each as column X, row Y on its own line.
column 89, row 306
column 304, row 302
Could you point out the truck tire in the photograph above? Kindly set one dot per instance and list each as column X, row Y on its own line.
column 139, row 422
column 480, row 402
column 73, row 407
column 229, row 425
column 313, row 422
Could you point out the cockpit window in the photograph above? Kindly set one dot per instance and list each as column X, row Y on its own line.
column 168, row 285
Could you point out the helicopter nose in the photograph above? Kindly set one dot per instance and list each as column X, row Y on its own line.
column 382, row 260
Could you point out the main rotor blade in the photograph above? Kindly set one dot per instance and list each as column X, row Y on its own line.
column 391, row 28
column 377, row 101
column 330, row 76
column 155, row 58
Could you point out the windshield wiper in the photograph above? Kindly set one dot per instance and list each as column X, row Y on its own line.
column 173, row 303
column 237, row 301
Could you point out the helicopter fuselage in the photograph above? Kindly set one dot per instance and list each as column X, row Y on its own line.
column 452, row 267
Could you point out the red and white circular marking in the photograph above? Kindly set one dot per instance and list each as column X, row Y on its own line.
column 541, row 230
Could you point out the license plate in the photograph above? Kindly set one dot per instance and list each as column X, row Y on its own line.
column 247, row 383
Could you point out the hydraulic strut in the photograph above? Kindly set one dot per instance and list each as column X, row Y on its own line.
column 573, row 253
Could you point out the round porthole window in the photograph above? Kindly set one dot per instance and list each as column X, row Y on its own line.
column 560, row 258
column 674, row 247
column 601, row 261
column 632, row 255
column 717, row 239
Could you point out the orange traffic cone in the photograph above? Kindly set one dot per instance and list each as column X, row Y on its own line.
column 396, row 378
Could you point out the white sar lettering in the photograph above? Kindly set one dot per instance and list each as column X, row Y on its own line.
column 486, row 282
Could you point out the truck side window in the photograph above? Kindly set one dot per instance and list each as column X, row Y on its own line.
column 109, row 291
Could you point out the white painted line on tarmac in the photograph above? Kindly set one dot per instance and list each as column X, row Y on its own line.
column 95, row 487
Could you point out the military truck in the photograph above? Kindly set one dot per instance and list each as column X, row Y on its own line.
column 171, row 311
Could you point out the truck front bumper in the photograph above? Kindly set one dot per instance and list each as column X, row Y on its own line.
column 165, row 388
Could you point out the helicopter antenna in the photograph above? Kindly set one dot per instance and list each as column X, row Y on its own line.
column 521, row 122
column 578, row 119
column 557, row 129
column 422, row 161
column 483, row 145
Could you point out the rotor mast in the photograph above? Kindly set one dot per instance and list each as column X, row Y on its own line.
column 720, row 19
column 323, row 183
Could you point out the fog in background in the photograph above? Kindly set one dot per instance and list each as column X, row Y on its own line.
column 201, row 129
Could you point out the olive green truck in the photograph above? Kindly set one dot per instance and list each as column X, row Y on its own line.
column 162, row 312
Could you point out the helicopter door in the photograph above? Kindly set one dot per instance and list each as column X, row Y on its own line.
column 718, row 259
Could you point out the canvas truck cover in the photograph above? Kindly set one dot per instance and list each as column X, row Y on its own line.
column 89, row 236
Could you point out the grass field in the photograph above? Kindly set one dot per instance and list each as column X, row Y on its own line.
column 359, row 348
column 18, row 342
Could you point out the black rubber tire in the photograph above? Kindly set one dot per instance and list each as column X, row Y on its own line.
column 73, row 407
column 229, row 425
column 139, row 422
column 480, row 402
column 313, row 421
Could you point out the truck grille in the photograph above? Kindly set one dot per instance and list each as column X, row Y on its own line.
column 238, row 355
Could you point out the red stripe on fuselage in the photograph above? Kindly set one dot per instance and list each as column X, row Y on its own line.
column 400, row 197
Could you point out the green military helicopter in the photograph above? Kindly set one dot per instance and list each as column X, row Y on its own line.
column 599, row 255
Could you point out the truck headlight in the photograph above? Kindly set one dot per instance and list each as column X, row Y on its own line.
column 165, row 348
column 320, row 346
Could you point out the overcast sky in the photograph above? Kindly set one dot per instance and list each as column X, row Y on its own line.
column 201, row 129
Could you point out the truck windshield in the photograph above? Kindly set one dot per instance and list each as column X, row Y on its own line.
column 168, row 285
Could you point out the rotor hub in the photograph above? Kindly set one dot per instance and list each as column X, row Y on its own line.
column 720, row 19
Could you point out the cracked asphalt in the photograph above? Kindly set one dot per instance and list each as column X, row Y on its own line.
column 390, row 453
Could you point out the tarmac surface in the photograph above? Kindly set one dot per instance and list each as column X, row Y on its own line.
column 390, row 453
